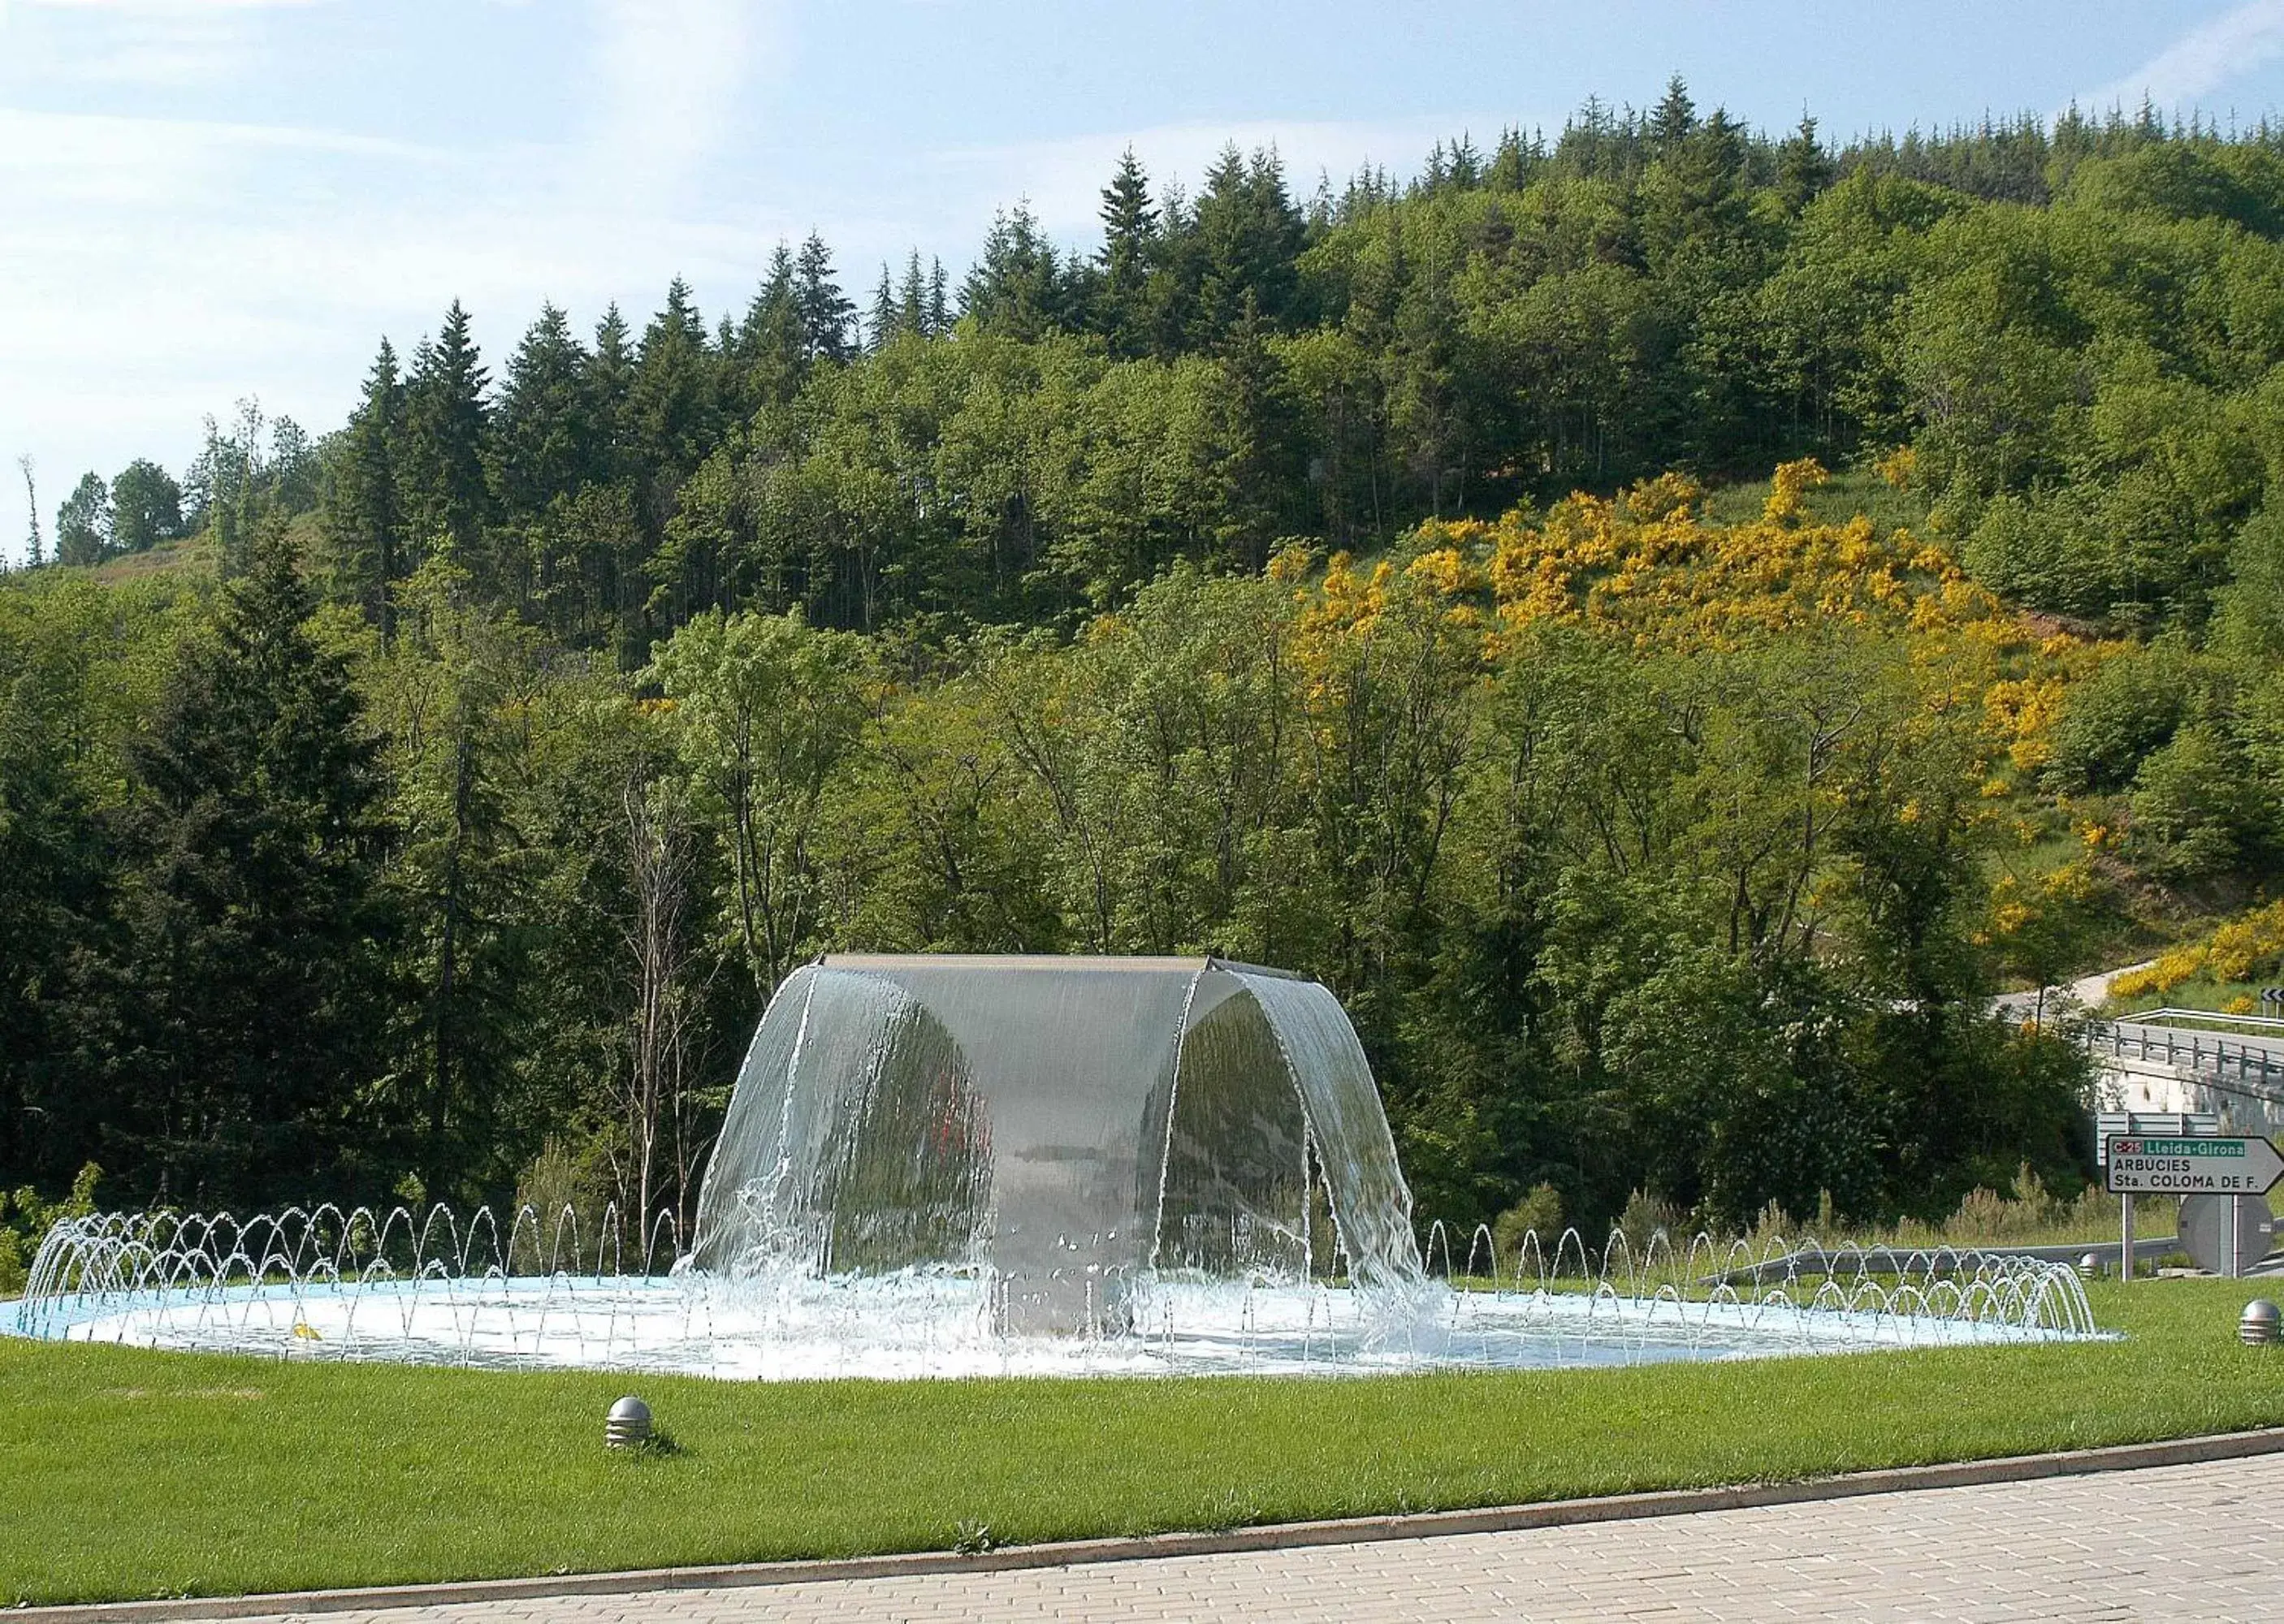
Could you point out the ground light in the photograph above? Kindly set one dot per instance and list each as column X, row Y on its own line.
column 628, row 1423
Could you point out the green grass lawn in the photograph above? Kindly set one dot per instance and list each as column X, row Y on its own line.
column 125, row 1474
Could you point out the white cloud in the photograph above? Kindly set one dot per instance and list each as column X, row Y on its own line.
column 2202, row 60
column 146, row 42
column 669, row 73
column 155, row 270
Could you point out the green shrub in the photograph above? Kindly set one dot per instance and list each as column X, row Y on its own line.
column 26, row 1218
column 2196, row 809
column 1539, row 1214
column 1645, row 1213
column 2124, row 712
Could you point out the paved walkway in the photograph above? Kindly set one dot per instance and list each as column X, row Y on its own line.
column 2167, row 1543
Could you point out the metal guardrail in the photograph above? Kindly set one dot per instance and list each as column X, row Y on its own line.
column 2215, row 1018
column 2205, row 1053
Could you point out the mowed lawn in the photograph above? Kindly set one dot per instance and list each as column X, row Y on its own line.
column 128, row 1474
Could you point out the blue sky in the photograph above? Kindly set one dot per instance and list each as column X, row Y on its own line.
column 206, row 199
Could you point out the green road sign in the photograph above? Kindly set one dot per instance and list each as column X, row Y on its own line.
column 2141, row 1164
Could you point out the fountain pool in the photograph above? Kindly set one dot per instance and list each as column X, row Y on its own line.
column 956, row 1166
column 360, row 1287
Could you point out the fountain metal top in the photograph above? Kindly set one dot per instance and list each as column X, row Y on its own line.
column 1057, row 963
column 1061, row 1122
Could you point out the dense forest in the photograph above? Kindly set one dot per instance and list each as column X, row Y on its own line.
column 1664, row 620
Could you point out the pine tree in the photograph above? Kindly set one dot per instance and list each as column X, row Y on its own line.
column 610, row 371
column 673, row 401
column 544, row 444
column 1510, row 164
column 911, row 298
column 1467, row 164
column 767, row 363
column 1015, row 289
column 817, row 301
column 1804, row 168
column 1129, row 241
column 882, row 326
column 448, row 498
column 1673, row 118
column 255, row 976
column 939, row 301
column 363, row 512
column 1248, row 239
column 455, row 871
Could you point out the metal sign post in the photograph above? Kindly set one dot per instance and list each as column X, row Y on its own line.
column 2184, row 1165
column 2110, row 1125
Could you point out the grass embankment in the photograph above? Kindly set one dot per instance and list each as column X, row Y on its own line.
column 125, row 1474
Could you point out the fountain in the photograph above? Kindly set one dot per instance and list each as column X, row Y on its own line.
column 1064, row 1124
column 942, row 1166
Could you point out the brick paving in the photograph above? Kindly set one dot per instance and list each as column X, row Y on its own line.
column 2164, row 1543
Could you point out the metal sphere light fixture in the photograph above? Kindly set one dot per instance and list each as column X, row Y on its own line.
column 2261, row 1322
column 628, row 1423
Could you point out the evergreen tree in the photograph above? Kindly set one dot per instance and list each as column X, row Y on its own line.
column 1466, row 166
column 824, row 311
column 1254, row 432
column 455, row 877
column 1804, row 168
column 882, row 326
column 543, row 443
column 1248, row 237
column 768, row 362
column 1129, row 241
column 254, row 979
column 1015, row 289
column 363, row 515
column 939, row 301
column 1673, row 118
column 1511, row 163
column 57, row 880
column 610, row 373
column 448, row 498
column 673, row 400
column 911, row 298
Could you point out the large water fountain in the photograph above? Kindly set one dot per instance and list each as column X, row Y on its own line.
column 948, row 1166
column 1061, row 1124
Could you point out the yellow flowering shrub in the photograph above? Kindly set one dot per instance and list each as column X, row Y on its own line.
column 2248, row 947
column 1645, row 563
column 2245, row 948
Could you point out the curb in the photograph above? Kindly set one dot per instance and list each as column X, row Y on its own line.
column 1274, row 1536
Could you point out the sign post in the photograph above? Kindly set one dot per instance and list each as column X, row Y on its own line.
column 2184, row 1165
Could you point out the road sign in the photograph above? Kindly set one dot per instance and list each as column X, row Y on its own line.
column 2206, row 1225
column 2149, row 1124
column 2219, row 1166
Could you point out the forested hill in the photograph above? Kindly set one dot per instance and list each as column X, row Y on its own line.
column 2071, row 327
column 551, row 708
